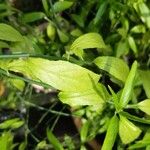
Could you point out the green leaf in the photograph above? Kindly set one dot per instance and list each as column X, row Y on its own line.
column 53, row 140
column 142, row 143
column 8, row 33
column 62, row 36
column 89, row 40
column 45, row 6
column 132, row 44
column 127, row 90
column 84, row 131
column 88, row 97
column 111, row 133
column 3, row 45
column 115, row 98
column 144, row 13
column 100, row 12
column 6, row 141
column 114, row 66
column 138, row 29
column 128, row 131
column 135, row 118
column 61, row 6
column 31, row 17
column 145, row 106
column 61, row 75
column 78, row 19
column 12, row 123
column 145, row 77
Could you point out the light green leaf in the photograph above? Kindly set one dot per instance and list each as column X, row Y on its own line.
column 33, row 16
column 89, row 97
column 114, row 66
column 111, row 133
column 128, row 131
column 61, row 75
column 6, row 141
column 61, row 6
column 127, row 90
column 145, row 77
column 132, row 44
column 84, row 131
column 138, row 29
column 145, row 106
column 8, row 33
column 12, row 123
column 89, row 40
column 53, row 140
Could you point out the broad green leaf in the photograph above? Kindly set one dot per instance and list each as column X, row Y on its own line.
column 6, row 141
column 33, row 16
column 88, row 97
column 127, row 90
column 8, row 33
column 114, row 66
column 145, row 106
column 61, row 75
column 61, row 6
column 53, row 140
column 111, row 133
column 128, row 131
column 145, row 77
column 19, row 84
column 89, row 40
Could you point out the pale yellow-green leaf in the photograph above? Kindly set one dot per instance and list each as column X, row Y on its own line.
column 145, row 106
column 89, row 97
column 128, row 131
column 61, row 75
column 114, row 66
column 89, row 40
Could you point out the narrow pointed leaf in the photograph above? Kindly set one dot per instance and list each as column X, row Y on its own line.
column 114, row 66
column 128, row 131
column 111, row 133
column 127, row 90
column 53, row 140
